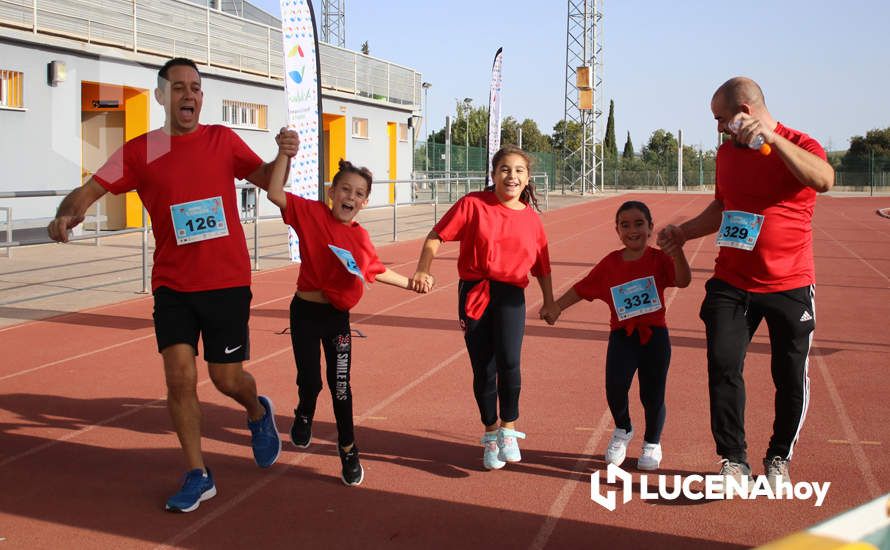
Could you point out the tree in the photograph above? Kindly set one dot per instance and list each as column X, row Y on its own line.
column 628, row 152
column 875, row 144
column 509, row 131
column 365, row 48
column 566, row 136
column 661, row 150
column 532, row 138
column 610, row 147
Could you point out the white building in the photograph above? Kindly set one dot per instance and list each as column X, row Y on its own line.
column 77, row 80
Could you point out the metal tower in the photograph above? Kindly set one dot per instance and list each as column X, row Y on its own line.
column 584, row 98
column 333, row 22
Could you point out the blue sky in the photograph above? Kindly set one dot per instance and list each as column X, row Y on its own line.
column 822, row 65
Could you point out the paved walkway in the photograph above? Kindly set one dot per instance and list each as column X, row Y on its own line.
column 42, row 281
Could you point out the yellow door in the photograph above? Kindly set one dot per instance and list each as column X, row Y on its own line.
column 392, row 134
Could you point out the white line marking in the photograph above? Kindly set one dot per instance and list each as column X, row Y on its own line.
column 871, row 482
column 562, row 498
column 565, row 493
column 855, row 255
column 160, row 402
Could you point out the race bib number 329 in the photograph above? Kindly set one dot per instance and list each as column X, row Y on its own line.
column 199, row 220
column 739, row 229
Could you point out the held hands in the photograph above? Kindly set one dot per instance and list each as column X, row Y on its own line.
column 671, row 240
column 288, row 142
column 422, row 282
column 59, row 227
column 550, row 313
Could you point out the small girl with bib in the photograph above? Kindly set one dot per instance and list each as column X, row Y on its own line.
column 632, row 282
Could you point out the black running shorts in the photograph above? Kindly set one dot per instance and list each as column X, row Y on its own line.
column 220, row 317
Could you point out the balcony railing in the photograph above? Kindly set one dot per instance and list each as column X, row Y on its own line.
column 178, row 28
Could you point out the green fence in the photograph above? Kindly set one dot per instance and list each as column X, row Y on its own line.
column 872, row 174
column 430, row 157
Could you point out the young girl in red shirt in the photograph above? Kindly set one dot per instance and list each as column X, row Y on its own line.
column 632, row 282
column 337, row 259
column 501, row 240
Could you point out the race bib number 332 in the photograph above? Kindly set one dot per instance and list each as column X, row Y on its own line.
column 635, row 298
column 199, row 220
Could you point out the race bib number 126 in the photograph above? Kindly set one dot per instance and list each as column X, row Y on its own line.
column 199, row 220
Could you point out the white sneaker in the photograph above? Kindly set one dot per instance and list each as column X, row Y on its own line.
column 490, row 452
column 650, row 456
column 508, row 446
column 617, row 449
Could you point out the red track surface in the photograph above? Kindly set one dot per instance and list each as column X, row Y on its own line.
column 87, row 455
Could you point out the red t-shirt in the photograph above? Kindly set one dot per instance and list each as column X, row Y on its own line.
column 613, row 270
column 496, row 242
column 321, row 270
column 782, row 258
column 169, row 170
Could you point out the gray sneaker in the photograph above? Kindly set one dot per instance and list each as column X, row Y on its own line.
column 737, row 470
column 776, row 469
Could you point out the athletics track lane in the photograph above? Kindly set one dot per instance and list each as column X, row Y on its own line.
column 88, row 456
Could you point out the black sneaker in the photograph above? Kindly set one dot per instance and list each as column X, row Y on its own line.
column 353, row 473
column 301, row 431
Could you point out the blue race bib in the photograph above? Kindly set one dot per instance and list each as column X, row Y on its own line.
column 199, row 220
column 348, row 261
column 635, row 298
column 739, row 229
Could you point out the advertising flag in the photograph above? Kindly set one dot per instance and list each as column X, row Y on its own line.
column 494, row 110
column 303, row 87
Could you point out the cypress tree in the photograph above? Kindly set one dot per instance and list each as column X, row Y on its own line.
column 609, row 143
column 628, row 148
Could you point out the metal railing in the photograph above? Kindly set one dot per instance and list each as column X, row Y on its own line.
column 9, row 225
column 436, row 192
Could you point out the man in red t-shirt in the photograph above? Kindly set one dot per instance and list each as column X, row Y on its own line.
column 184, row 174
column 762, row 212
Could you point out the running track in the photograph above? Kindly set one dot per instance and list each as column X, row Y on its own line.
column 87, row 455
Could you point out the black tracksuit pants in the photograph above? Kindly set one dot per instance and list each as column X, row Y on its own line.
column 312, row 324
column 731, row 317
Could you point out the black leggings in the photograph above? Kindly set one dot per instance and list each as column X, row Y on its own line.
column 731, row 317
column 311, row 324
column 624, row 357
column 494, row 343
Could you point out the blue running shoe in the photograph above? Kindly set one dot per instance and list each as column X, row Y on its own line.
column 196, row 488
column 264, row 436
column 490, row 452
column 508, row 447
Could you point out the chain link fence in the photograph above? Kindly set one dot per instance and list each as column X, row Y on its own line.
column 867, row 175
column 472, row 161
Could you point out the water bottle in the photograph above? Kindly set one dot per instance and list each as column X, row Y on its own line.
column 757, row 143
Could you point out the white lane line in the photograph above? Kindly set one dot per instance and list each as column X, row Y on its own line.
column 133, row 409
column 253, row 489
column 871, row 482
column 855, row 255
column 557, row 509
column 554, row 514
